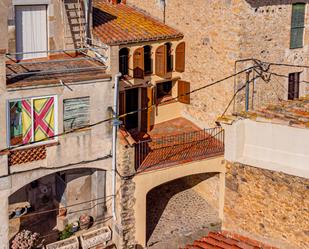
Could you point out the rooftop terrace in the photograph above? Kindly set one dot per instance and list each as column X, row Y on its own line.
column 175, row 142
column 291, row 112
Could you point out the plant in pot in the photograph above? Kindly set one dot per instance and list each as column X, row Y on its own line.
column 66, row 233
column 26, row 240
column 84, row 221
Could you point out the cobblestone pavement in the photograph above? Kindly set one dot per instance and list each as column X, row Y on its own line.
column 177, row 214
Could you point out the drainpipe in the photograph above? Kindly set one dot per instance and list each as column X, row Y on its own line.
column 115, row 127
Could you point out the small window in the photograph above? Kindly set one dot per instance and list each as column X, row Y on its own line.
column 147, row 60
column 76, row 113
column 124, row 61
column 297, row 25
column 293, row 89
column 31, row 120
column 164, row 91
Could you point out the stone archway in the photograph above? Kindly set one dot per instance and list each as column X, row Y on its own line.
column 180, row 210
column 148, row 181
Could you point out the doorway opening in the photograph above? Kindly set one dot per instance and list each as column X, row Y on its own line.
column 131, row 102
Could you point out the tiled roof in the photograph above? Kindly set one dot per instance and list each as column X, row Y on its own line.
column 227, row 240
column 52, row 69
column 116, row 24
column 292, row 112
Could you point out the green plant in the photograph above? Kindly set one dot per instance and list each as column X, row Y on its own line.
column 66, row 233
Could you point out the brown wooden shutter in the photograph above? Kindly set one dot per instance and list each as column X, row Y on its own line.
column 151, row 109
column 161, row 67
column 122, row 104
column 184, row 92
column 180, row 57
column 144, row 105
column 138, row 63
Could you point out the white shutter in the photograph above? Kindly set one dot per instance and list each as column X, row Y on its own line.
column 31, row 30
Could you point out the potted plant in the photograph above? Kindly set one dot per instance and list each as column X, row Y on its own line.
column 66, row 233
column 84, row 221
column 26, row 240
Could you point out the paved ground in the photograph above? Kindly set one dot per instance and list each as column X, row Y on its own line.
column 176, row 218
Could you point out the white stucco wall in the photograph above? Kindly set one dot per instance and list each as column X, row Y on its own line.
column 268, row 145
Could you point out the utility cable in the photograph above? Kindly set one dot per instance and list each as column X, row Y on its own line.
column 126, row 114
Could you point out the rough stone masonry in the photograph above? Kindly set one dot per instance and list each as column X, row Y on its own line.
column 270, row 206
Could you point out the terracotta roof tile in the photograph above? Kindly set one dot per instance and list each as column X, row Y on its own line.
column 227, row 240
column 116, row 24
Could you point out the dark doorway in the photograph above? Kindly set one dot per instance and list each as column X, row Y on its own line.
column 124, row 61
column 131, row 105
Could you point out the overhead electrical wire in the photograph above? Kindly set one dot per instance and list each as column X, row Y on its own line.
column 125, row 114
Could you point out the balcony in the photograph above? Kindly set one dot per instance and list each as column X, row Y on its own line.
column 175, row 142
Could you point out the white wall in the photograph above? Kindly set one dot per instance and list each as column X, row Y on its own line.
column 267, row 145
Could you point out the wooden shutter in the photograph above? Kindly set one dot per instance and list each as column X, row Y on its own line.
column 151, row 109
column 76, row 113
column 138, row 63
column 180, row 57
column 161, row 67
column 297, row 25
column 184, row 92
column 144, row 105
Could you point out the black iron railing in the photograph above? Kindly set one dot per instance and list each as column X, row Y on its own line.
column 179, row 148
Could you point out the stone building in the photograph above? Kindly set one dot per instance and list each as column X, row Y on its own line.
column 174, row 183
column 52, row 82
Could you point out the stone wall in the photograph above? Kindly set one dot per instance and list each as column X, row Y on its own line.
column 211, row 31
column 217, row 34
column 268, row 206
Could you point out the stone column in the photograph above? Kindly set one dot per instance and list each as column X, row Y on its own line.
column 4, row 218
column 221, row 195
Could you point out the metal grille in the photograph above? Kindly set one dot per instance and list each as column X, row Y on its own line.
column 180, row 148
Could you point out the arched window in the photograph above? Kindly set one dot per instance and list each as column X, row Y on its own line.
column 124, row 61
column 147, row 60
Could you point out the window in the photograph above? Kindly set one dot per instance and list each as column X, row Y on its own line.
column 164, row 91
column 297, row 25
column 76, row 113
column 32, row 119
column 169, row 57
column 147, row 60
column 293, row 89
column 124, row 61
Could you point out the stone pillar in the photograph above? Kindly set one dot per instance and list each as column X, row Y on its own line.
column 221, row 195
column 124, row 226
column 4, row 218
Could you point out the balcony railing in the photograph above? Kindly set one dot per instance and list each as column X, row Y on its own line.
column 176, row 149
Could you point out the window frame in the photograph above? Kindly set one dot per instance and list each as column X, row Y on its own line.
column 8, row 118
column 296, row 94
column 302, row 28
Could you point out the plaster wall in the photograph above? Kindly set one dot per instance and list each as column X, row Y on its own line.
column 268, row 145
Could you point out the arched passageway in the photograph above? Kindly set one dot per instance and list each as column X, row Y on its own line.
column 182, row 209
